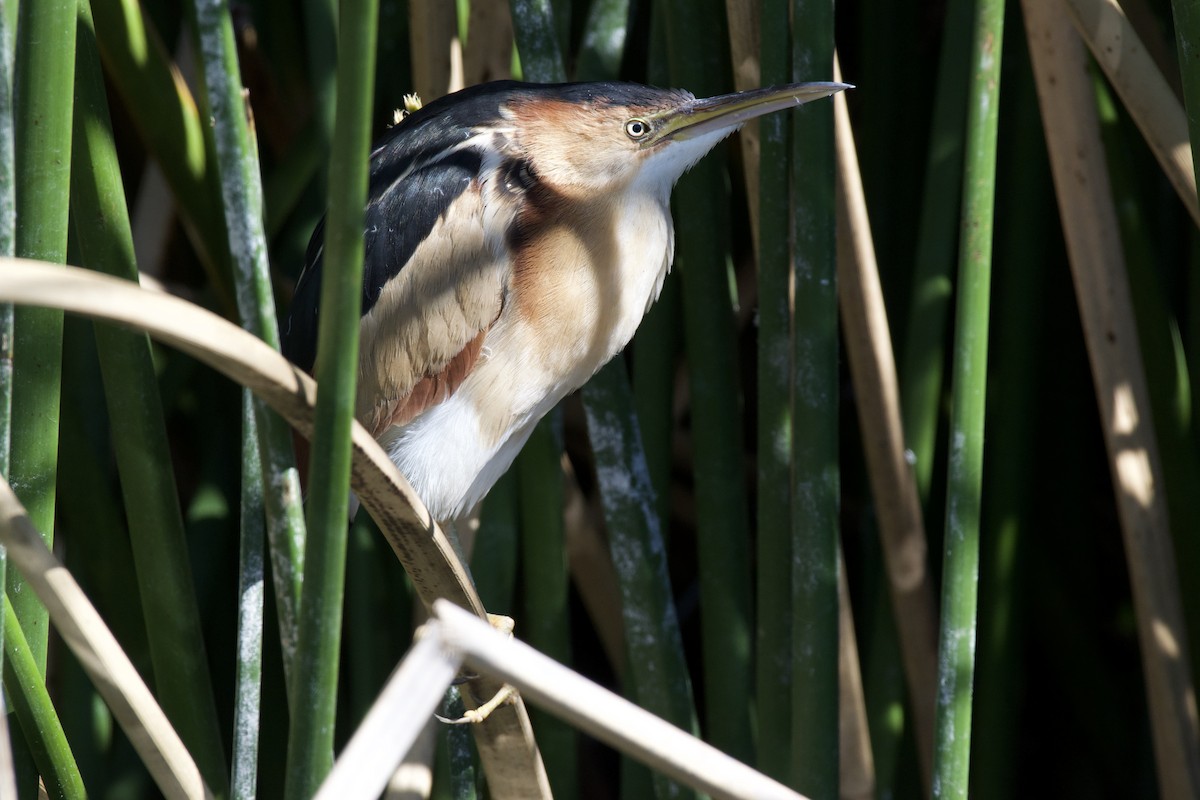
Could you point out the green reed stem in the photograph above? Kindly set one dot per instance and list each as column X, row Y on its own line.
column 1025, row 202
column 659, row 672
column 773, row 679
column 494, row 557
column 546, row 619
column 321, row 21
column 43, row 94
column 537, row 41
column 698, row 58
column 924, row 341
column 956, row 647
column 242, row 194
column 8, row 235
column 315, row 676
column 243, row 779
column 816, row 476
column 603, row 43
column 25, row 689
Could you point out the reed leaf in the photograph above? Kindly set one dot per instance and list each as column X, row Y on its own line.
column 1098, row 271
column 1167, row 375
column 1187, row 33
column 657, row 347
column 603, row 46
column 163, row 112
column 494, row 557
column 1145, row 92
column 139, row 430
column 91, row 642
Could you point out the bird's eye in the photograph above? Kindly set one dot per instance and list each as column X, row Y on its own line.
column 637, row 129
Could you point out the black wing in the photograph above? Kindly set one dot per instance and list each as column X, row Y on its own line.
column 399, row 216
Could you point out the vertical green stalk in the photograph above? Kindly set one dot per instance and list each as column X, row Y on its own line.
column 8, row 233
column 537, row 41
column 315, row 676
column 25, row 689
column 603, row 43
column 455, row 766
column 1187, row 41
column 655, row 360
column 546, row 621
column 379, row 602
column 494, row 557
column 563, row 23
column 243, row 780
column 242, row 195
column 361, row 680
column 100, row 556
column 698, row 58
column 815, row 418
column 960, row 571
column 924, row 340
column 1026, row 207
column 44, row 76
column 139, row 431
column 884, row 687
column 773, row 678
column 321, row 24
column 657, row 666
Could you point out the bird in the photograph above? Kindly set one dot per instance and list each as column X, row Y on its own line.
column 515, row 235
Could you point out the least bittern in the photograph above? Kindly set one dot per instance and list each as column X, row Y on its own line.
column 515, row 234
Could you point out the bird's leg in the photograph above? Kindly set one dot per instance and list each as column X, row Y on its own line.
column 476, row 715
column 504, row 624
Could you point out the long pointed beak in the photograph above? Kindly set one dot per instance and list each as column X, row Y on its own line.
column 697, row 117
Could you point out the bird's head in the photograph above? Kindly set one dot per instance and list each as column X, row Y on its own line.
column 584, row 139
column 602, row 137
